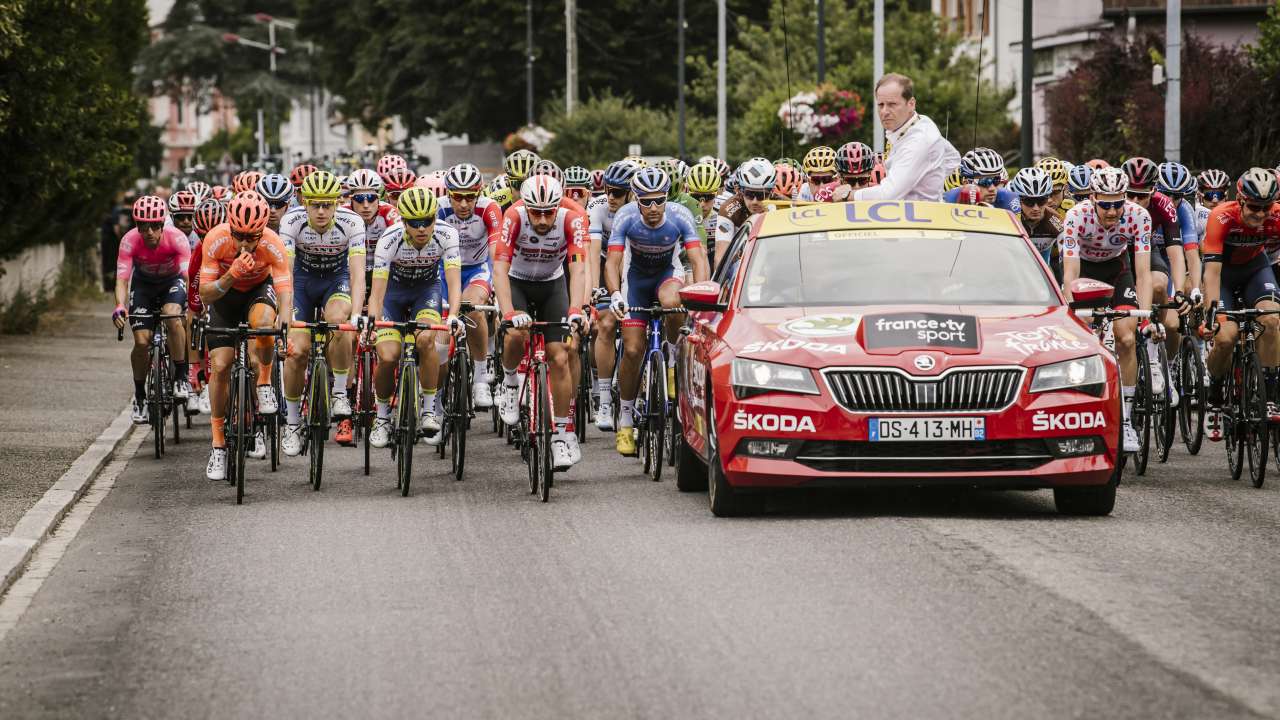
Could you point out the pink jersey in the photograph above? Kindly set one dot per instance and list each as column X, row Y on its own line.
column 169, row 258
column 823, row 193
column 1084, row 237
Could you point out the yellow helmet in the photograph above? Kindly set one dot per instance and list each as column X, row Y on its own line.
column 953, row 181
column 638, row 161
column 499, row 191
column 417, row 203
column 519, row 165
column 1057, row 170
column 703, row 178
column 321, row 185
column 820, row 160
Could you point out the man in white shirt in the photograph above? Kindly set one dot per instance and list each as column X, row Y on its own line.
column 917, row 157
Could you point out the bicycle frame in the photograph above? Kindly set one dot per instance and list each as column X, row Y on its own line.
column 240, row 399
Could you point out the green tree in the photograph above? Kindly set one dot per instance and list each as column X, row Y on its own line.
column 1266, row 54
column 601, row 128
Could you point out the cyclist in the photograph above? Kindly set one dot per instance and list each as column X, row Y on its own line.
column 1033, row 187
column 433, row 181
column 326, row 243
column 854, row 163
column 529, row 275
column 600, row 213
column 1108, row 238
column 199, row 189
column 644, row 267
column 1211, row 189
column 296, row 176
column 1057, row 170
column 389, row 162
column 820, row 166
column 278, row 192
column 1079, row 183
column 397, row 180
column 209, row 214
column 786, row 182
column 577, row 184
column 245, row 180
column 478, row 221
column 518, row 166
column 500, row 192
column 1238, row 273
column 597, row 182
column 244, row 277
column 182, row 208
column 407, row 283
column 755, row 179
column 985, row 168
column 703, row 184
column 151, row 268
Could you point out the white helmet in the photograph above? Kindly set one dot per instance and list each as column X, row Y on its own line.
column 1031, row 182
column 756, row 174
column 463, row 176
column 1109, row 181
column 541, row 192
column 363, row 179
column 981, row 161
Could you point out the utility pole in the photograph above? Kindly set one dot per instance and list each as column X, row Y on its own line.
column 1173, row 90
column 680, row 74
column 822, row 41
column 1028, row 69
column 720, row 91
column 877, row 51
column 528, row 62
column 570, row 55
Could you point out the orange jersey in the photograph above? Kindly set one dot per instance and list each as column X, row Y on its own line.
column 1227, row 240
column 270, row 260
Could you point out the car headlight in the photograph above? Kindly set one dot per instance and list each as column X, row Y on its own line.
column 757, row 377
column 1086, row 374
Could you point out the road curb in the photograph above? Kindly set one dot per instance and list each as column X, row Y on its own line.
column 40, row 520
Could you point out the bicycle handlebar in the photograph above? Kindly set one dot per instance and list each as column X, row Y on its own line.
column 410, row 325
column 1110, row 314
column 467, row 307
column 245, row 330
column 322, row 326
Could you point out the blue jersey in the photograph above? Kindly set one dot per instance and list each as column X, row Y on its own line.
column 649, row 250
column 1005, row 200
column 1187, row 224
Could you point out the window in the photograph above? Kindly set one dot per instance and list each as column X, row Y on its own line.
column 1042, row 60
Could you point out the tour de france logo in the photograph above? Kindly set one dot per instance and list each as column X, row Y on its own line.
column 830, row 325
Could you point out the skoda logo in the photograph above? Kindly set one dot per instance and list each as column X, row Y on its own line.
column 924, row 362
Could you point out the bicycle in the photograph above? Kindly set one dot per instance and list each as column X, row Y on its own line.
column 315, row 394
column 584, row 409
column 241, row 400
column 160, row 396
column 1163, row 411
column 1100, row 320
column 535, row 410
column 1245, row 422
column 364, row 410
column 455, row 394
column 1188, row 378
column 404, row 432
column 653, row 404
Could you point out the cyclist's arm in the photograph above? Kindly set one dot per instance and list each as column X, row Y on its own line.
column 1177, row 265
column 492, row 216
column 214, row 284
column 576, row 246
column 1068, row 249
column 1212, row 282
column 124, row 267
column 271, row 251
column 381, row 271
column 452, row 259
column 502, row 254
column 1142, row 275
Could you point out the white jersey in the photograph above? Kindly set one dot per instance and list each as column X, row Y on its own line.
column 322, row 251
column 477, row 233
column 601, row 219
column 536, row 257
column 399, row 261
column 1202, row 220
column 721, row 197
column 1084, row 237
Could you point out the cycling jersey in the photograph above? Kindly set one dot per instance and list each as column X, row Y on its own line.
column 386, row 217
column 541, row 257
column 167, row 259
column 1227, row 240
column 1005, row 200
column 271, row 261
column 652, row 250
column 1187, row 225
column 732, row 214
column 1084, row 237
column 686, row 201
column 397, row 260
column 1164, row 221
column 1043, row 234
column 600, row 218
column 192, row 238
column 1202, row 220
column 323, row 252
column 476, row 234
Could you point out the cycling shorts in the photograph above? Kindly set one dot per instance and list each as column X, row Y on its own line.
column 545, row 301
column 1160, row 260
column 641, row 291
column 479, row 275
column 410, row 301
column 1116, row 273
column 147, row 297
column 1244, row 286
column 313, row 291
column 233, row 308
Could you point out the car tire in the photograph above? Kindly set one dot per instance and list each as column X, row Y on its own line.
column 691, row 473
column 724, row 500
column 1093, row 501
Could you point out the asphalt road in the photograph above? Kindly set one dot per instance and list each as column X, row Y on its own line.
column 625, row 598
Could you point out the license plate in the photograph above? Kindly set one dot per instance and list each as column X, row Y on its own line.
column 940, row 429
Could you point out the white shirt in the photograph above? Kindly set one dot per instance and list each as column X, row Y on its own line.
column 917, row 163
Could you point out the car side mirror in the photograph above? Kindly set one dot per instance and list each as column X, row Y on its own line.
column 1086, row 293
column 703, row 296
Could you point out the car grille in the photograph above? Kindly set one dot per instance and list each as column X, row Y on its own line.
column 866, row 390
column 923, row 457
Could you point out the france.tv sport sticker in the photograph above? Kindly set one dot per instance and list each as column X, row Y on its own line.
column 915, row 330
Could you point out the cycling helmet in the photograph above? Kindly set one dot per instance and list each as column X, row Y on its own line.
column 619, row 174
column 541, row 192
column 638, row 161
column 245, row 180
column 787, row 180
column 364, row 179
column 722, row 167
column 1056, row 169
column 248, row 213
column 820, row 160
column 200, row 190
column 417, row 203
column 463, row 176
column 209, row 214
column 854, row 158
column 1098, row 164
column 221, row 193
column 597, row 181
column 1031, row 182
column 148, row 208
column 321, row 185
column 274, row 187
column 434, row 182
column 183, row 201
column 1256, row 185
column 784, row 160
column 398, row 179
column 577, row 176
column 1142, row 174
column 952, row 180
column 651, row 181
column 704, row 178
column 675, row 168
column 300, row 173
column 877, row 173
column 389, row 162
column 1109, row 181
column 550, row 169
column 1078, row 180
column 1214, row 179
column 731, row 182
column 969, row 195
column 519, row 165
column 497, row 186
column 757, row 174
column 981, row 161
column 1175, row 179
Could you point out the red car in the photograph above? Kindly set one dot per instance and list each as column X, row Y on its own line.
column 892, row 344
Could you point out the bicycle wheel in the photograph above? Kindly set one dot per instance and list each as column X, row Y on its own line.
column 155, row 395
column 456, row 418
column 243, row 431
column 1191, row 387
column 1141, row 414
column 272, row 425
column 1232, row 423
column 1164, row 413
column 1256, row 425
column 364, row 403
column 318, row 419
column 229, row 428
column 542, row 450
column 582, row 404
column 176, row 409
column 656, row 406
column 407, row 425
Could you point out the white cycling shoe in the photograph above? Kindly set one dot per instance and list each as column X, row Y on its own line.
column 509, row 405
column 575, row 450
column 291, row 440
column 341, row 407
column 203, row 403
column 182, row 389
column 217, row 467
column 430, row 423
column 604, row 417
column 139, row 413
column 1130, row 437
column 267, row 400
column 380, row 435
column 258, row 450
column 561, row 458
column 481, row 395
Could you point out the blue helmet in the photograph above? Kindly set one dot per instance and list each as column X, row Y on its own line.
column 275, row 187
column 651, row 181
column 1175, row 179
column 619, row 174
column 1078, row 180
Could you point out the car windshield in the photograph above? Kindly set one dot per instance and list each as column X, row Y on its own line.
column 878, row 267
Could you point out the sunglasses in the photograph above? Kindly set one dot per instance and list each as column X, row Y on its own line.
column 704, row 197
column 1137, row 195
column 183, row 217
column 420, row 223
column 365, row 198
column 1256, row 208
column 246, row 237
column 1034, row 201
column 464, row 195
column 986, row 182
column 754, row 194
column 1079, row 197
column 322, row 204
column 543, row 212
column 857, row 180
column 1110, row 204
column 1215, row 195
column 277, row 204
column 618, row 193
column 145, row 226
column 651, row 202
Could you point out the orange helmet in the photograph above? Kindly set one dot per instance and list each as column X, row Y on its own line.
column 786, row 181
column 248, row 213
column 399, row 178
column 221, row 193
column 1098, row 164
column 300, row 173
column 246, row 180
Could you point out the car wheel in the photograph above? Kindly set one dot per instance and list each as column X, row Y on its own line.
column 725, row 501
column 691, row 473
column 1092, row 501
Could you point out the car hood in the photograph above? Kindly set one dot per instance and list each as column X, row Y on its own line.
column 896, row 334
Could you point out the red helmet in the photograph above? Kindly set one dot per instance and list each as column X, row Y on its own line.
column 220, row 193
column 597, row 181
column 1142, row 173
column 390, row 162
column 854, row 158
column 148, row 208
column 399, row 179
column 248, row 213
column 300, row 173
column 969, row 195
column 209, row 213
column 183, row 201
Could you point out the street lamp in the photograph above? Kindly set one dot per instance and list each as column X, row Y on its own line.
column 272, row 50
column 272, row 22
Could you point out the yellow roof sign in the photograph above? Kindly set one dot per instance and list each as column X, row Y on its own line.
column 888, row 214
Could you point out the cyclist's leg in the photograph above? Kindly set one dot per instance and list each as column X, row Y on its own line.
column 640, row 292
column 426, row 308
column 305, row 302
column 1261, row 292
column 174, row 301
column 476, row 290
column 341, row 347
column 144, row 301
column 227, row 312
